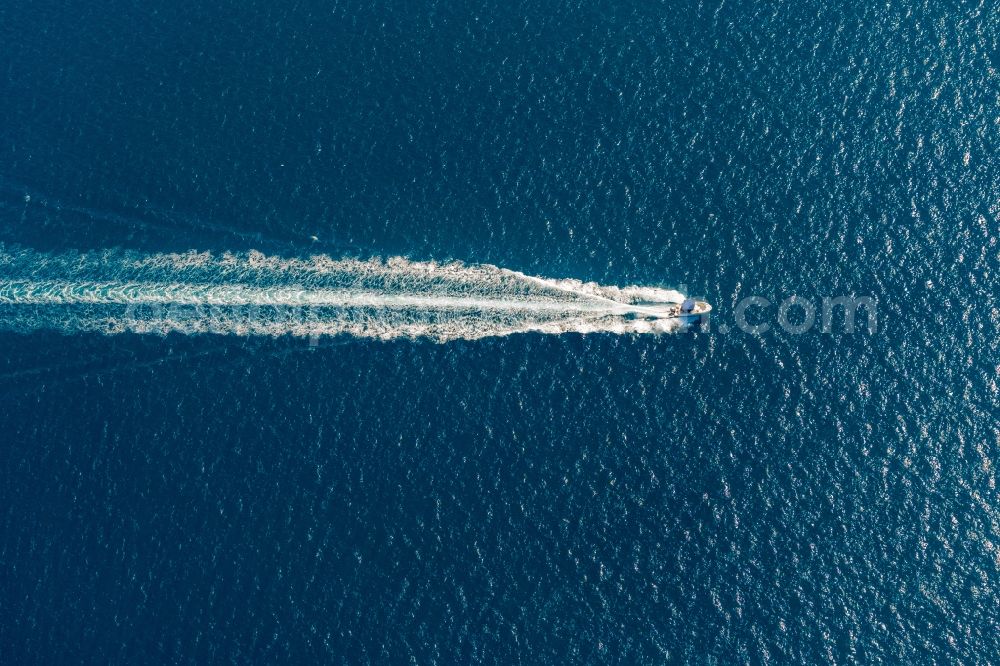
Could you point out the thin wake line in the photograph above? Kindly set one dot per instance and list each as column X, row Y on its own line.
column 117, row 291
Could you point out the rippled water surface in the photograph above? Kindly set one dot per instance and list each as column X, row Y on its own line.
column 719, row 497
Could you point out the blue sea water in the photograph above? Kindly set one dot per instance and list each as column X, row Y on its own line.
column 713, row 497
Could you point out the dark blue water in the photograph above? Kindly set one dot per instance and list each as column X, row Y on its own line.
column 709, row 497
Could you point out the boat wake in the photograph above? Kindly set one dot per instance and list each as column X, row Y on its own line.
column 117, row 291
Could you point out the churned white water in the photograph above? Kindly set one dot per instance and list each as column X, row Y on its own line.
column 255, row 294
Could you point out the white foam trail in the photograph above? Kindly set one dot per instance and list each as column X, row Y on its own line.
column 254, row 294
